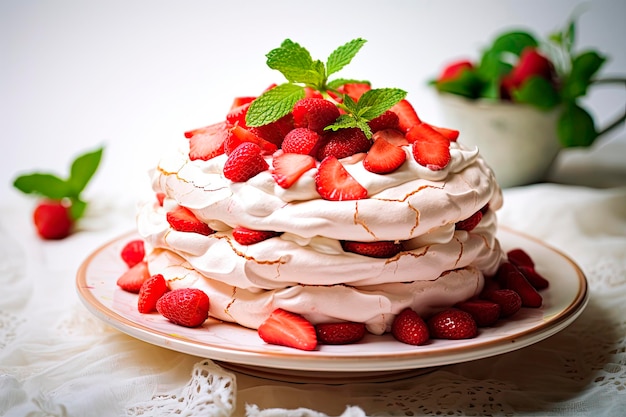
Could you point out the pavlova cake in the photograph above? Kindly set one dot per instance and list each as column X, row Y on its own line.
column 317, row 211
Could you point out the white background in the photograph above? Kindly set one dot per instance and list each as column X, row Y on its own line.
column 134, row 75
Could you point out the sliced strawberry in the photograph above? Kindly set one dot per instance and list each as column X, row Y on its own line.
column 509, row 301
column 510, row 277
column 486, row 313
column 240, row 101
column 53, row 219
column 383, row 157
column 393, row 136
column 334, row 183
column 451, row 134
column 311, row 93
column 238, row 135
column 408, row 327
column 151, row 290
column 314, row 113
column 132, row 279
column 160, row 198
column 244, row 162
column 207, row 142
column 341, row 333
column 470, row 223
column 274, row 132
column 535, row 278
column 519, row 257
column 133, row 252
column 378, row 249
column 301, row 140
column 343, row 143
column 287, row 168
column 245, row 236
column 237, row 115
column 452, row 323
column 183, row 220
column 387, row 120
column 187, row 307
column 407, row 116
column 356, row 90
column 430, row 148
column 288, row 329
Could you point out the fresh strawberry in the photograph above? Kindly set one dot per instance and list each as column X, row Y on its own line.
column 531, row 63
column 245, row 162
column 274, row 132
column 151, row 290
column 288, row 329
column 132, row 279
column 519, row 257
column 451, row 134
column 53, row 220
column 334, row 183
column 470, row 223
column 486, row 313
column 187, row 307
column 133, row 252
column 340, row 333
column 160, row 198
column 287, row 168
column 538, row 281
column 452, row 323
column 383, row 157
column 407, row 116
column 387, row 120
column 356, row 90
column 301, row 140
column 245, row 236
column 207, row 142
column 183, row 220
column 408, row 327
column 237, row 115
column 238, row 135
column 393, row 136
column 430, row 148
column 240, row 101
column 312, row 93
column 377, row 249
column 314, row 113
column 510, row 277
column 343, row 143
column 509, row 301
column 454, row 70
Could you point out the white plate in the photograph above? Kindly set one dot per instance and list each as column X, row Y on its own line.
column 377, row 356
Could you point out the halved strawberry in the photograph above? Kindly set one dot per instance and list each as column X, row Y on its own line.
column 485, row 312
column 519, row 257
column 408, row 327
column 510, row 277
column 387, row 120
column 509, row 301
column 237, row 115
column 470, row 223
column 245, row 162
column 451, row 134
column 287, row 168
column 340, row 333
column 183, row 220
column 407, row 116
column 334, row 183
column 132, row 279
column 245, row 236
column 430, row 148
column 535, row 278
column 239, row 101
column 207, row 142
column 274, row 132
column 383, row 157
column 238, row 135
column 288, row 329
column 356, row 90
column 187, row 307
column 393, row 136
column 133, row 252
column 378, row 249
column 151, row 290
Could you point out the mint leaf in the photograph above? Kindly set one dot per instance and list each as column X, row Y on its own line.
column 296, row 64
column 342, row 56
column 375, row 102
column 45, row 185
column 584, row 67
column 467, row 84
column 538, row 92
column 82, row 170
column 273, row 104
column 338, row 82
column 513, row 42
column 575, row 126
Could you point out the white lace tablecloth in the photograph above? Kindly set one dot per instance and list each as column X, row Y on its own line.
column 56, row 359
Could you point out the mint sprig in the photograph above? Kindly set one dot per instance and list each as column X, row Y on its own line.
column 301, row 71
column 55, row 188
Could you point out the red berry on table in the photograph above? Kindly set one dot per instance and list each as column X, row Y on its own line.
column 453, row 324
column 150, row 292
column 133, row 278
column 245, row 236
column 377, row 249
column 207, row 142
column 470, row 223
column 509, row 301
column 314, row 113
column 408, row 327
column 133, row 252
column 454, row 70
column 188, row 307
column 485, row 312
column 289, row 329
column 407, row 116
column 182, row 219
column 52, row 220
column 510, row 277
column 287, row 168
column 301, row 140
column 245, row 162
column 430, row 148
column 343, row 143
column 333, row 182
column 340, row 333
column 383, row 157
